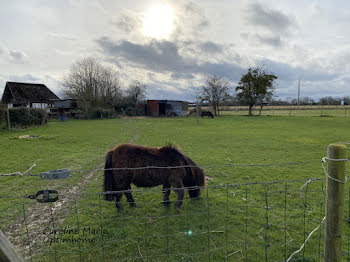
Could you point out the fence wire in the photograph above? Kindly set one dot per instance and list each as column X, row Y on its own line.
column 255, row 221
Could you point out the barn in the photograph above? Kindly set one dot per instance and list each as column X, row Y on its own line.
column 28, row 95
column 166, row 108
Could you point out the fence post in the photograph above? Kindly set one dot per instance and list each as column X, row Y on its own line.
column 8, row 119
column 334, row 203
column 7, row 252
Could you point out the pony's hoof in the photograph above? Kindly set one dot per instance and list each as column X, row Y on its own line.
column 120, row 208
column 133, row 204
column 166, row 203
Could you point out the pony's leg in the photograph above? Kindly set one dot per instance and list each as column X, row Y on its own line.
column 118, row 203
column 130, row 198
column 180, row 195
column 166, row 193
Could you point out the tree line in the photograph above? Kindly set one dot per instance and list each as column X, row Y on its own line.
column 98, row 86
column 255, row 87
column 97, row 83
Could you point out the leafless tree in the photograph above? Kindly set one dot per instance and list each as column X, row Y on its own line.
column 215, row 91
column 136, row 92
column 90, row 80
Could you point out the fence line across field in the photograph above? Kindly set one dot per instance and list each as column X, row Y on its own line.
column 154, row 189
column 214, row 214
column 27, row 173
column 259, row 205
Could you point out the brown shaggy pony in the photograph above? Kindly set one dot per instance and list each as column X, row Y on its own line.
column 136, row 156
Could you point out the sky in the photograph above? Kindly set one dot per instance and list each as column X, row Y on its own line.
column 174, row 46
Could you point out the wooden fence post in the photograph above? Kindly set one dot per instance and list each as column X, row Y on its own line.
column 7, row 252
column 334, row 203
column 197, row 112
column 8, row 119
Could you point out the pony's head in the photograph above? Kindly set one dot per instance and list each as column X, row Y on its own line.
column 199, row 178
column 195, row 179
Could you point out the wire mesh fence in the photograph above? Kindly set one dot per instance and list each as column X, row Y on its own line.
column 228, row 222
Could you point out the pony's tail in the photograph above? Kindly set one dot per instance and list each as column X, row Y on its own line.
column 109, row 183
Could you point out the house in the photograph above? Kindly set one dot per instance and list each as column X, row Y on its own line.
column 28, row 95
column 67, row 108
column 166, row 108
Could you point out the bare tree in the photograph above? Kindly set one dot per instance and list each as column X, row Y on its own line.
column 136, row 92
column 215, row 91
column 90, row 80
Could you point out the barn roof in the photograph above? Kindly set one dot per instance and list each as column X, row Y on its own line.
column 22, row 93
column 166, row 101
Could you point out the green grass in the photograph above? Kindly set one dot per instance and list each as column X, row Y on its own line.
column 294, row 112
column 235, row 216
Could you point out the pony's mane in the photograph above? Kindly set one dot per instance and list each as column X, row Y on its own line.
column 171, row 148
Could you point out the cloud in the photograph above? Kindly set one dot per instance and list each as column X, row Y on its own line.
column 177, row 76
column 164, row 56
column 287, row 72
column 270, row 19
column 269, row 40
column 211, row 47
column 25, row 78
column 14, row 56
column 17, row 57
column 193, row 10
column 128, row 24
column 265, row 39
column 166, row 90
column 61, row 36
column 190, row 22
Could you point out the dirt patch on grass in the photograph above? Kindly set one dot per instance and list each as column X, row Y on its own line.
column 40, row 217
column 30, row 233
column 29, row 137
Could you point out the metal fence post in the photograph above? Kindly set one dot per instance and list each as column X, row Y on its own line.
column 334, row 203
column 7, row 251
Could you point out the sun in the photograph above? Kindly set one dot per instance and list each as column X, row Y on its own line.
column 158, row 21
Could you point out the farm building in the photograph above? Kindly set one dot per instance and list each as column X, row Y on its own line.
column 167, row 108
column 66, row 107
column 27, row 95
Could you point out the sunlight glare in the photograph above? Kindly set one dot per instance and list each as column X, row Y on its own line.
column 158, row 21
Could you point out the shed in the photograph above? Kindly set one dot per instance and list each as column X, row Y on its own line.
column 28, row 95
column 67, row 107
column 167, row 108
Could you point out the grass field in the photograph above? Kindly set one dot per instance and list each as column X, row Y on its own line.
column 304, row 110
column 230, row 220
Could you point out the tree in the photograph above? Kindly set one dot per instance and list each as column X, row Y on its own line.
column 328, row 100
column 136, row 92
column 215, row 91
column 256, row 87
column 133, row 97
column 90, row 80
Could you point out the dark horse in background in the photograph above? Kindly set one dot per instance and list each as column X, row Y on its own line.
column 136, row 156
column 207, row 113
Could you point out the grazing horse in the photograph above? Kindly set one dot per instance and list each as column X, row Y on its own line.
column 125, row 165
column 207, row 113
